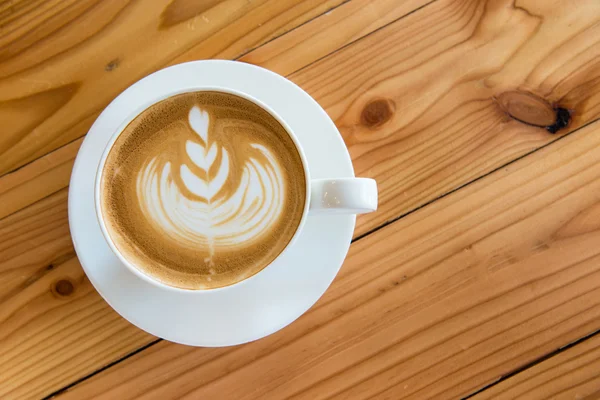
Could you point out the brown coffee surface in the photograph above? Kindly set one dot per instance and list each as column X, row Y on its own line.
column 202, row 190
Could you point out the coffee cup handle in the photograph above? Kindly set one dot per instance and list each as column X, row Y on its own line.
column 343, row 196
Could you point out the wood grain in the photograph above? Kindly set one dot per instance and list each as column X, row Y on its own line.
column 31, row 241
column 284, row 55
column 572, row 374
column 40, row 178
column 333, row 30
column 62, row 62
column 54, row 327
column 416, row 102
column 435, row 305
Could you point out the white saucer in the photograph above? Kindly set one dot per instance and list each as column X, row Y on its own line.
column 262, row 304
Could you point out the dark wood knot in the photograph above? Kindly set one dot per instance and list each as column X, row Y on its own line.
column 533, row 110
column 63, row 287
column 112, row 65
column 563, row 116
column 377, row 112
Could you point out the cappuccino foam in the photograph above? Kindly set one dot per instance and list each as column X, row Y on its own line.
column 202, row 190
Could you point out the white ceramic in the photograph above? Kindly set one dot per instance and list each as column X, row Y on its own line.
column 323, row 196
column 280, row 293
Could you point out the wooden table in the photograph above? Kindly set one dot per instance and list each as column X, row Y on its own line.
column 478, row 277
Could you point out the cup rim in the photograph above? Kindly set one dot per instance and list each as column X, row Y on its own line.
column 115, row 135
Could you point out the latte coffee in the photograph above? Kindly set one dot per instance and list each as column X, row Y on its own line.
column 202, row 190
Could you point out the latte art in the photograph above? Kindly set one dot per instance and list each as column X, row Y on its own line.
column 202, row 190
column 213, row 216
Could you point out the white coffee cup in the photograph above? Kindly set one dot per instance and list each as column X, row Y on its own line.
column 323, row 196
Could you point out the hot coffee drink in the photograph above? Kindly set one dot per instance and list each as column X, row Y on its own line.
column 202, row 190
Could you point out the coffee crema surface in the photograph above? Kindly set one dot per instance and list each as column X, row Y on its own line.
column 202, row 190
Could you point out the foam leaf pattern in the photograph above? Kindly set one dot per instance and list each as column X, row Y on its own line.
column 209, row 219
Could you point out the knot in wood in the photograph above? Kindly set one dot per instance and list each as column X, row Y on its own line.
column 563, row 116
column 377, row 112
column 527, row 108
column 112, row 65
column 63, row 288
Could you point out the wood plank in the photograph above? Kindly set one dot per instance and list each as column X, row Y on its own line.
column 435, row 305
column 331, row 31
column 40, row 178
column 572, row 374
column 416, row 102
column 285, row 54
column 54, row 327
column 31, row 241
column 62, row 62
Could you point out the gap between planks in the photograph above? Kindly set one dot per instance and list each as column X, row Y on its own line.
column 534, row 363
